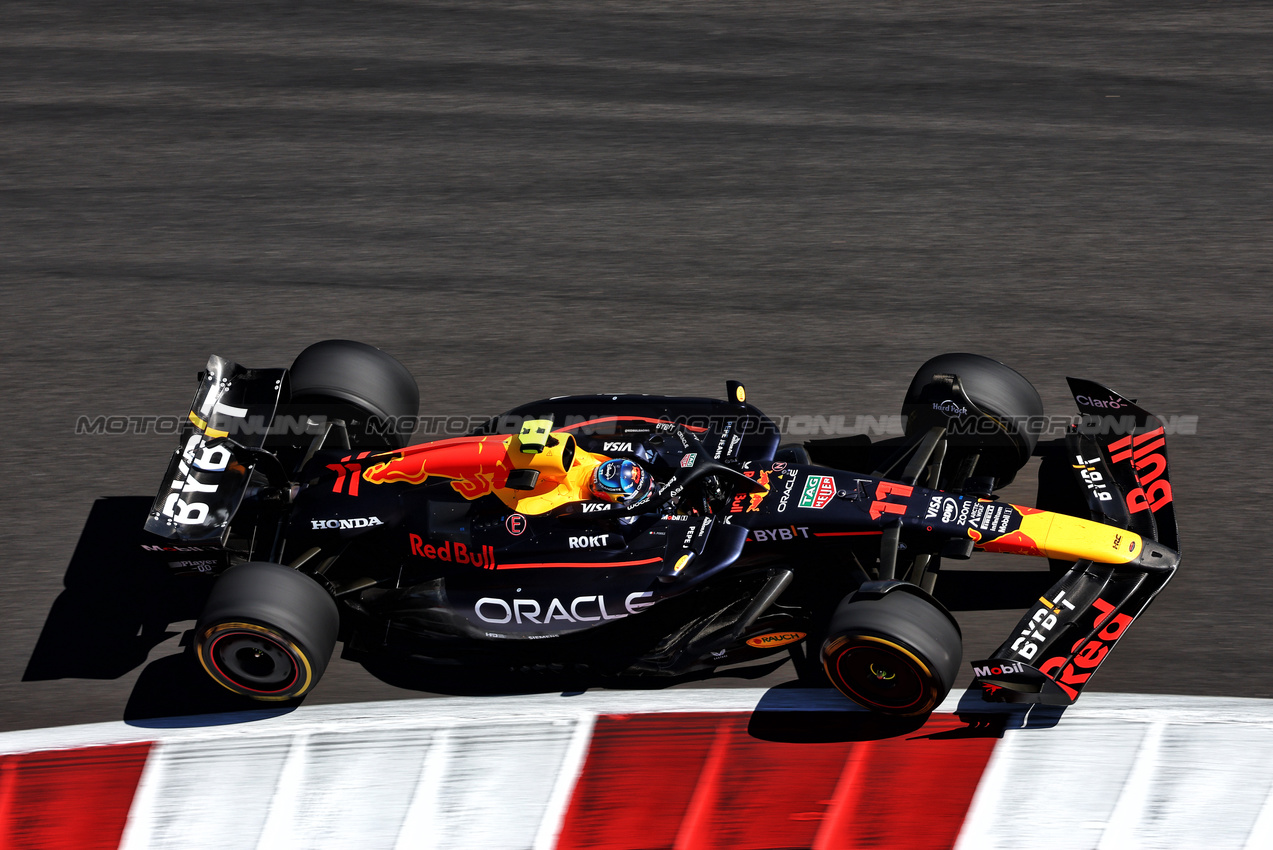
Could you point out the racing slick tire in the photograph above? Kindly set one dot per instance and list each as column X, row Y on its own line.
column 1005, row 440
column 267, row 631
column 337, row 374
column 897, row 654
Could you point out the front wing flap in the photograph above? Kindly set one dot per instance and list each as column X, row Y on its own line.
column 1065, row 637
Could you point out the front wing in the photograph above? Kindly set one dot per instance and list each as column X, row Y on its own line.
column 1118, row 454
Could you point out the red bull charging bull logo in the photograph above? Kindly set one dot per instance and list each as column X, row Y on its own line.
column 477, row 465
column 751, row 501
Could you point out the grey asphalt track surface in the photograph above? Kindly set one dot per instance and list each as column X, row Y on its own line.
column 532, row 199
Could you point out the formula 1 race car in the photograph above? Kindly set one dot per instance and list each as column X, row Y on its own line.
column 636, row 535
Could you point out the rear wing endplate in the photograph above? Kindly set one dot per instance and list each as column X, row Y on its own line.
column 205, row 483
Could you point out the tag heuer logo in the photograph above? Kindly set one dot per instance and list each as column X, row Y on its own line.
column 818, row 491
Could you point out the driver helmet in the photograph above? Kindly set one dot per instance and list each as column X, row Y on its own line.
column 621, row 481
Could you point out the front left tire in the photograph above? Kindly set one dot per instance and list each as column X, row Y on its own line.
column 897, row 654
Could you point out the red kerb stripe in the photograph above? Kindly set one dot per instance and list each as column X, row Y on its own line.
column 69, row 799
column 700, row 781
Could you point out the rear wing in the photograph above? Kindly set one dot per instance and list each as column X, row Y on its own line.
column 205, row 483
column 1119, row 459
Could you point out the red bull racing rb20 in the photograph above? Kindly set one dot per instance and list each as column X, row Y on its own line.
column 651, row 536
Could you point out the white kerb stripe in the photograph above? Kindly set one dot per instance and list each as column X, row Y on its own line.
column 1065, row 779
column 979, row 830
column 420, row 827
column 498, row 784
column 567, row 775
column 280, row 827
column 206, row 792
column 1261, row 835
column 138, row 831
column 357, row 787
column 1121, row 832
column 1209, row 787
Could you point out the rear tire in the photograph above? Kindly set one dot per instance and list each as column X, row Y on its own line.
column 337, row 375
column 896, row 654
column 267, row 631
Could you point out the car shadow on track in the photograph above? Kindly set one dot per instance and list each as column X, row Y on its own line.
column 471, row 681
column 795, row 714
column 173, row 692
column 117, row 605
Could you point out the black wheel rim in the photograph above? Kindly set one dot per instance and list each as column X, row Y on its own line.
column 253, row 662
column 881, row 677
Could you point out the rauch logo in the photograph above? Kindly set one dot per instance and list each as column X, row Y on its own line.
column 775, row 639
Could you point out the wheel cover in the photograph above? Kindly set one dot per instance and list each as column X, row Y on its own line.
column 255, row 661
column 881, row 675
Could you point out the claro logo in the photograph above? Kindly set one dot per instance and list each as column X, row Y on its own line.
column 581, row 609
column 1106, row 403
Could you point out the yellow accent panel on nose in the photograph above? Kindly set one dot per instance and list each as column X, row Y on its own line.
column 1070, row 538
